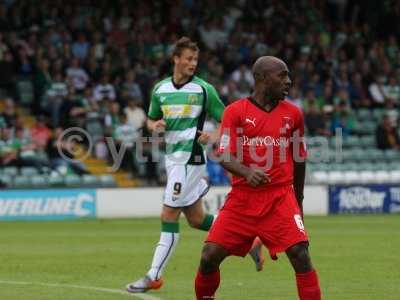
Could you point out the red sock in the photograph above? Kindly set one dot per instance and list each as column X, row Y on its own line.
column 206, row 285
column 308, row 286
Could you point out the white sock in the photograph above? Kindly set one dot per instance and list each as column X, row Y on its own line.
column 165, row 247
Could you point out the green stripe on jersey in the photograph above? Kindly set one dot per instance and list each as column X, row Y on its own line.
column 185, row 146
column 180, row 124
column 181, row 98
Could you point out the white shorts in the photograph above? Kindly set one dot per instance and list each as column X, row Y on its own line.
column 185, row 185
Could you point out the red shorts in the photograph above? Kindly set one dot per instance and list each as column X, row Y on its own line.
column 279, row 226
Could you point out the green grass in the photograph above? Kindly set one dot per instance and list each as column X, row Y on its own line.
column 357, row 257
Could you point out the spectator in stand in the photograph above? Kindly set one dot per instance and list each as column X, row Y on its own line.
column 135, row 113
column 66, row 162
column 117, row 37
column 72, row 111
column 344, row 119
column 104, row 90
column 387, row 136
column 377, row 92
column 40, row 133
column 9, row 113
column 392, row 90
column 311, row 99
column 358, row 92
column 42, row 82
column 125, row 136
column 8, row 72
column 80, row 48
column 77, row 76
column 130, row 88
column 392, row 112
column 315, row 121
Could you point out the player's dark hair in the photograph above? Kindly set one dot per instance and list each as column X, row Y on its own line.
column 182, row 44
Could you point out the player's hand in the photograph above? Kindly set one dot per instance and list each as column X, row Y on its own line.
column 204, row 137
column 159, row 125
column 256, row 177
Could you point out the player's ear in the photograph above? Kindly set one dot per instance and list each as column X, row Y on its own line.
column 258, row 76
column 175, row 59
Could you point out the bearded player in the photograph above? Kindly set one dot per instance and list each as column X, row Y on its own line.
column 261, row 144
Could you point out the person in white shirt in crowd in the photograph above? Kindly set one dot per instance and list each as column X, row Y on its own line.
column 135, row 113
column 104, row 90
column 77, row 76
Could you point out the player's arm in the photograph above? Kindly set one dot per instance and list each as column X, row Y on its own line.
column 154, row 116
column 214, row 106
column 299, row 160
column 215, row 109
column 156, row 125
column 254, row 177
column 299, row 174
column 228, row 149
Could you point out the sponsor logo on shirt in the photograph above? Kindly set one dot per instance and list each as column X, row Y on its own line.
column 265, row 141
column 251, row 121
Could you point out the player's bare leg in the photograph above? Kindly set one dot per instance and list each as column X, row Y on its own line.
column 196, row 216
column 306, row 276
column 208, row 277
column 168, row 241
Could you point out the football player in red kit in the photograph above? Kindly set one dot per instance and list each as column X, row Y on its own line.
column 262, row 145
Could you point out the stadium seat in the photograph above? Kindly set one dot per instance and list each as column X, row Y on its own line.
column 72, row 180
column 22, row 182
column 351, row 141
column 338, row 167
column 368, row 141
column 367, row 127
column 394, row 166
column 382, row 166
column 335, row 177
column 351, row 177
column 377, row 114
column 367, row 176
column 56, row 180
column 395, row 176
column 11, row 171
column 367, row 166
column 353, row 166
column 107, row 181
column 39, row 181
column 90, row 181
column 25, row 92
column 382, row 176
column 363, row 114
column 375, row 155
column 28, row 171
column 6, row 179
column 319, row 177
column 321, row 167
column 392, row 155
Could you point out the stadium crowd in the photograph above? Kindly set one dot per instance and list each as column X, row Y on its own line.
column 92, row 64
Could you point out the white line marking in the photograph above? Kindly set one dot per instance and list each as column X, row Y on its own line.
column 73, row 286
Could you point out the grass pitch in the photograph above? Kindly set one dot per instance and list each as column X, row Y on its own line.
column 357, row 257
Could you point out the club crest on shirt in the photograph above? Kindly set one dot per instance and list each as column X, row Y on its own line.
column 193, row 99
column 287, row 123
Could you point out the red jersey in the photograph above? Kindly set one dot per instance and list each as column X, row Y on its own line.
column 268, row 140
